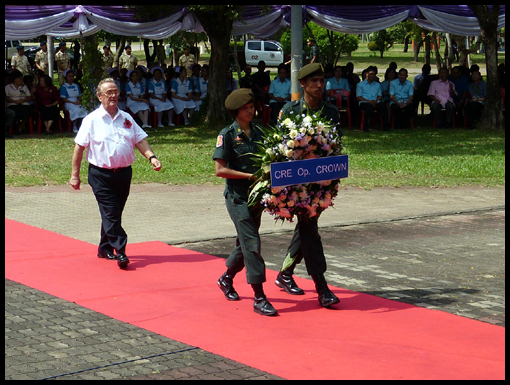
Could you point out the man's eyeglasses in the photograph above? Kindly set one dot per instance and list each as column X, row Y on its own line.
column 111, row 93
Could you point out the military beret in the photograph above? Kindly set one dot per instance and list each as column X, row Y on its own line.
column 239, row 98
column 313, row 69
column 42, row 43
column 20, row 47
column 62, row 44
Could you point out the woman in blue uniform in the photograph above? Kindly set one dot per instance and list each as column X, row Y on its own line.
column 70, row 94
column 233, row 164
column 158, row 94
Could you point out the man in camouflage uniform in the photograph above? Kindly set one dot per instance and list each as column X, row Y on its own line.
column 128, row 60
column 107, row 60
column 41, row 58
column 20, row 62
column 63, row 62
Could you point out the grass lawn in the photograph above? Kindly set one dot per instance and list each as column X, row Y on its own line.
column 424, row 157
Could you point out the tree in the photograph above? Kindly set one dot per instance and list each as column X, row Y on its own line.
column 488, row 20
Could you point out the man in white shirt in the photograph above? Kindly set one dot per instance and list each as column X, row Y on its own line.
column 110, row 136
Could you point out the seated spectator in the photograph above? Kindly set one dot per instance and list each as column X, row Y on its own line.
column 231, row 82
column 70, row 94
column 476, row 102
column 401, row 96
column 369, row 96
column 195, row 70
column 28, row 80
column 461, row 86
column 425, row 71
column 136, row 101
column 329, row 72
column 47, row 101
column 159, row 98
column 247, row 80
column 337, row 82
column 442, row 92
column 393, row 65
column 421, row 86
column 113, row 72
column 353, row 80
column 473, row 68
column 261, row 79
column 203, row 84
column 279, row 93
column 182, row 96
column 18, row 96
column 389, row 76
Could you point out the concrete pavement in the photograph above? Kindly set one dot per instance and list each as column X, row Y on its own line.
column 437, row 248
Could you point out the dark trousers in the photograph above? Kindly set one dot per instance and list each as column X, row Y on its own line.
column 306, row 244
column 437, row 109
column 381, row 108
column 111, row 190
column 402, row 115
column 275, row 110
column 473, row 112
column 247, row 250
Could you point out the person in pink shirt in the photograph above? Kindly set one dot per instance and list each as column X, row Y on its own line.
column 442, row 92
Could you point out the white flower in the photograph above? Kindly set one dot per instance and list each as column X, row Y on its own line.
column 269, row 151
column 320, row 127
column 291, row 144
column 311, row 131
column 307, row 121
column 286, row 122
column 302, row 130
column 289, row 154
column 293, row 134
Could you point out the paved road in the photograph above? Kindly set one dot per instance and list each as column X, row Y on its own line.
column 437, row 248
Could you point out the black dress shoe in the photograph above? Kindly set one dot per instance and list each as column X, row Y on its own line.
column 122, row 260
column 287, row 283
column 106, row 255
column 225, row 283
column 326, row 296
column 263, row 307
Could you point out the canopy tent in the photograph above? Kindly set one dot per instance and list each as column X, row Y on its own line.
column 67, row 21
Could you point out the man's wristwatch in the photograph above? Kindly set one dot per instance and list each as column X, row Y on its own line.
column 153, row 156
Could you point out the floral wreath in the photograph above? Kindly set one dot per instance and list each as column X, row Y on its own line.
column 296, row 137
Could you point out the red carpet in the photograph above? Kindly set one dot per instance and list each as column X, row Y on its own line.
column 172, row 292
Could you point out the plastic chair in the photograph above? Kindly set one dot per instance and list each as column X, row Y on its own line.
column 373, row 122
column 341, row 97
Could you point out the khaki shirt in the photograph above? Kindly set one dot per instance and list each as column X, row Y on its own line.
column 107, row 62
column 128, row 62
column 21, row 64
column 41, row 58
column 187, row 62
column 64, row 59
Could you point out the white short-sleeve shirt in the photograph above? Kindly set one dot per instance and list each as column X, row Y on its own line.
column 110, row 142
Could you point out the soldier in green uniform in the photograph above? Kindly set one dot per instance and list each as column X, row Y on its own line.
column 306, row 243
column 233, row 162
column 128, row 60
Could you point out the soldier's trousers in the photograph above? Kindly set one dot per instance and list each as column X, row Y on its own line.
column 306, row 244
column 247, row 250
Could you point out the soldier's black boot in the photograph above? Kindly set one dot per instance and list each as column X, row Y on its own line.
column 287, row 283
column 226, row 284
column 263, row 307
column 326, row 296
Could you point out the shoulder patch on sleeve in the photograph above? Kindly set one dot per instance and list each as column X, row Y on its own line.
column 219, row 142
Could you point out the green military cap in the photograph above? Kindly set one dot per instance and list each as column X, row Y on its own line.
column 313, row 69
column 239, row 98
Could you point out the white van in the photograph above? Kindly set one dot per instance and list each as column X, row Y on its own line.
column 269, row 51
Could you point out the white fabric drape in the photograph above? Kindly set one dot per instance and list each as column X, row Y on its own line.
column 341, row 25
column 443, row 22
column 261, row 27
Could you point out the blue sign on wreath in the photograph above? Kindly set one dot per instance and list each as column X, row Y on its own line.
column 309, row 171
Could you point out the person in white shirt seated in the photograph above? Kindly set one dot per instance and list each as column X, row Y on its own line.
column 182, row 96
column 136, row 102
column 158, row 96
column 70, row 94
